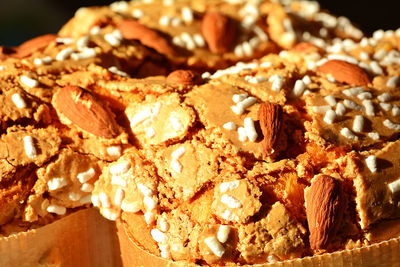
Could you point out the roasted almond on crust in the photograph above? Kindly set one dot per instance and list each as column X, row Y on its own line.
column 306, row 47
column 219, row 31
column 184, row 77
column 83, row 109
column 34, row 44
column 131, row 29
column 270, row 118
column 345, row 72
column 325, row 205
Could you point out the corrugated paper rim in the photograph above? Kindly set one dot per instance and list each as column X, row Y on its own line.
column 83, row 238
column 386, row 253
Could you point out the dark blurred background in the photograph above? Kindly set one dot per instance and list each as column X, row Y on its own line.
column 21, row 20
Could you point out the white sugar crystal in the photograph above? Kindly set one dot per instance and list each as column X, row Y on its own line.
column 164, row 251
column 146, row 191
column 85, row 176
column 353, row 91
column 159, row 236
column 393, row 82
column 358, row 123
column 163, row 224
column 59, row 210
column 64, row 40
column 396, row 111
column 223, row 233
column 228, row 186
column 230, row 126
column 248, row 102
column 351, row 104
column 115, row 70
column 176, row 165
column 384, row 97
column 118, row 180
column 29, row 82
column 330, row 99
column 348, row 134
column 371, row 162
column 110, row 214
column 215, row 246
column 229, row 216
column 330, row 117
column 175, row 22
column 104, row 200
column 74, row 196
column 198, row 40
column 112, row 39
column 247, row 49
column 391, row 125
column 149, row 203
column 137, row 13
column 376, row 68
column 374, row 135
column 95, row 30
column 242, row 135
column 187, row 15
column 250, row 129
column 176, row 123
column 321, row 109
column 29, row 146
column 86, row 187
column 18, row 101
column 346, row 58
column 120, row 168
column 277, row 82
column 340, row 109
column 130, row 207
column 118, row 197
column 95, row 200
column 114, row 151
column 178, row 152
column 394, row 187
column 238, row 50
column 385, row 106
column 364, row 95
column 64, row 54
column 85, row 54
column 369, row 107
column 82, row 43
column 239, row 97
column 299, row 88
column 56, row 183
column 231, row 201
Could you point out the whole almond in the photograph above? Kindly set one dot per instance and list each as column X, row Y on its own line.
column 184, row 77
column 133, row 30
column 219, row 31
column 270, row 118
column 325, row 205
column 306, row 47
column 345, row 72
column 85, row 111
column 35, row 44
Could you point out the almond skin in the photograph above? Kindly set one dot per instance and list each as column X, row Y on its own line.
column 86, row 112
column 345, row 72
column 219, row 31
column 270, row 118
column 133, row 30
column 184, row 77
column 325, row 205
column 35, row 44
